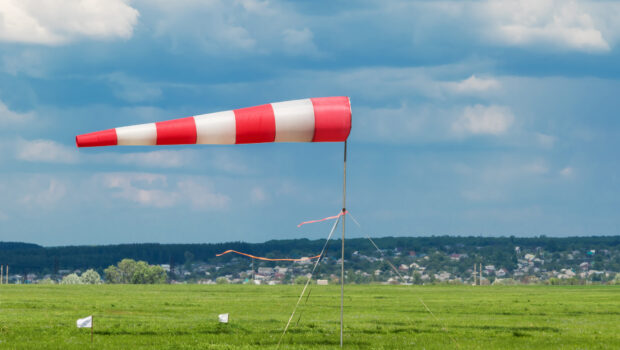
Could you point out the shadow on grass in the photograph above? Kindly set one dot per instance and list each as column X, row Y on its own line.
column 219, row 329
column 332, row 340
column 398, row 330
column 567, row 313
column 513, row 329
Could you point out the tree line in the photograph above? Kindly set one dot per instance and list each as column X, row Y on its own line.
column 26, row 258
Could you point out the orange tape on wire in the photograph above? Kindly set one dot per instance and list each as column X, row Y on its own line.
column 324, row 219
column 266, row 259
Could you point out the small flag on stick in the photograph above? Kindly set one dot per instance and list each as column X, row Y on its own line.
column 86, row 322
column 223, row 318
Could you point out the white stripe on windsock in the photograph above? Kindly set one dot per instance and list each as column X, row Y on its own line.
column 135, row 135
column 294, row 121
column 216, row 128
column 86, row 322
column 223, row 318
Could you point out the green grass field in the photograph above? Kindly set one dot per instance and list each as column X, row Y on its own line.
column 376, row 317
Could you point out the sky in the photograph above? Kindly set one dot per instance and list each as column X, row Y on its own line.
column 490, row 118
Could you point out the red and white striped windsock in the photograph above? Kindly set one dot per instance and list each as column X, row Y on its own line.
column 323, row 119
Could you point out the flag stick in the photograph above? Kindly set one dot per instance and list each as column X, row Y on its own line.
column 474, row 274
column 92, row 327
column 344, row 206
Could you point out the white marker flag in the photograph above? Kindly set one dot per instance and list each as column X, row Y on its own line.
column 86, row 322
column 223, row 318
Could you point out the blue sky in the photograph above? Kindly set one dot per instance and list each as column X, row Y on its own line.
column 469, row 118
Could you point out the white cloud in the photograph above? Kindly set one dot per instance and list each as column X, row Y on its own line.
column 121, row 180
column 158, row 159
column 473, row 84
column 385, row 82
column 430, row 123
column 299, row 41
column 45, row 197
column 567, row 171
column 555, row 23
column 223, row 160
column 153, row 190
column 231, row 162
column 221, row 27
column 141, row 188
column 545, row 141
column 506, row 170
column 54, row 22
column 8, row 117
column 202, row 196
column 213, row 26
column 258, row 194
column 256, row 6
column 496, row 179
column 538, row 167
column 30, row 61
column 398, row 124
column 560, row 25
column 479, row 119
column 46, row 151
column 133, row 90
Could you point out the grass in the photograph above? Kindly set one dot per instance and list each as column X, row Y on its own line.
column 376, row 317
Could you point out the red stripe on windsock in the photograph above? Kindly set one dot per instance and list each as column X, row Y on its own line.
column 97, row 138
column 332, row 119
column 176, row 132
column 255, row 124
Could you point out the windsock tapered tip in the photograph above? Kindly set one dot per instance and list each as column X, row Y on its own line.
column 97, row 138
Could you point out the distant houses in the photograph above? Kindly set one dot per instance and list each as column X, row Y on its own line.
column 445, row 264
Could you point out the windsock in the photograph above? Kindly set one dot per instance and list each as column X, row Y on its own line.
column 323, row 119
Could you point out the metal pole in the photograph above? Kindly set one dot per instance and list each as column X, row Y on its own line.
column 344, row 209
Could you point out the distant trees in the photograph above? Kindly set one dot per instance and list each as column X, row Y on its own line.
column 47, row 280
column 89, row 276
column 189, row 258
column 129, row 271
column 301, row 280
column 417, row 278
column 568, row 281
column 112, row 275
column 71, row 279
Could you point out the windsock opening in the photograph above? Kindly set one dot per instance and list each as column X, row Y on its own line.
column 332, row 119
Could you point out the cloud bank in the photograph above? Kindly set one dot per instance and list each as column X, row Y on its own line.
column 53, row 22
